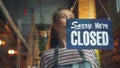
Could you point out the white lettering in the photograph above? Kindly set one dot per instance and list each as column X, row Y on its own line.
column 99, row 38
column 92, row 36
column 86, row 38
column 73, row 40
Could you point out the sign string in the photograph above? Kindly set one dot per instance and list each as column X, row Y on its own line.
column 72, row 8
column 104, row 9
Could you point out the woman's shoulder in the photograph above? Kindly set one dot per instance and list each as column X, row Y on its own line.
column 71, row 54
column 64, row 50
column 52, row 51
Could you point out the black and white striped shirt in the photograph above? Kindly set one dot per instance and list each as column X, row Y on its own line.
column 67, row 56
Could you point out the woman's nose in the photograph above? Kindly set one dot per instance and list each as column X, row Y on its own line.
column 68, row 18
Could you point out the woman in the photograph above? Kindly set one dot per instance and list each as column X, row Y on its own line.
column 58, row 40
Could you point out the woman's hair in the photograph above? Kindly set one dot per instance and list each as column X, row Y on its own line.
column 53, row 40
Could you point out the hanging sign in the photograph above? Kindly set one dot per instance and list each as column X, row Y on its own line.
column 89, row 34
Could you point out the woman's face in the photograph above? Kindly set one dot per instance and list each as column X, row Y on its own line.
column 63, row 15
column 60, row 25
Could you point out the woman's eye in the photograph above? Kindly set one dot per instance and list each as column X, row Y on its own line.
column 66, row 17
column 63, row 17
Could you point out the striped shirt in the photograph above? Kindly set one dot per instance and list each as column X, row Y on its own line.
column 67, row 56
